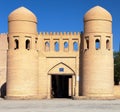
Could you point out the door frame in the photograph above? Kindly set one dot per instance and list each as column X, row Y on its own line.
column 50, row 85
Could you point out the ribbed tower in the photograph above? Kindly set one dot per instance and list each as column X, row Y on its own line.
column 97, row 55
column 22, row 70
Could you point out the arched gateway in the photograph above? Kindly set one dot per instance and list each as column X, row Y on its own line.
column 61, row 81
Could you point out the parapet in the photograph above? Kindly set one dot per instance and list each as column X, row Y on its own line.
column 2, row 35
column 59, row 33
column 3, row 41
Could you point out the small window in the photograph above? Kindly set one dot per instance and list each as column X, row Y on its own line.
column 65, row 46
column 87, row 43
column 97, row 44
column 56, row 46
column 47, row 46
column 61, row 69
column 75, row 46
column 36, row 40
column 107, row 44
column 8, row 39
column 16, row 44
column 27, row 44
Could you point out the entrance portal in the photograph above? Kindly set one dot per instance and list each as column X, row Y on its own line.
column 61, row 86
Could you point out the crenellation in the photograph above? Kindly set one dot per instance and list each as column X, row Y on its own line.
column 74, row 33
column 46, row 33
column 3, row 33
column 65, row 33
column 51, row 33
column 70, row 33
column 54, row 33
column 59, row 33
column 41, row 33
column 78, row 33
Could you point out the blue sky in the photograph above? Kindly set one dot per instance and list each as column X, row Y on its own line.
column 61, row 15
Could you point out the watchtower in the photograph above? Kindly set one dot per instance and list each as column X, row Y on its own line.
column 22, row 71
column 97, row 54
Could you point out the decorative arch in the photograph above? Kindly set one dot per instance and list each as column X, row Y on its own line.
column 61, row 68
column 75, row 46
column 66, row 45
column 47, row 46
column 56, row 46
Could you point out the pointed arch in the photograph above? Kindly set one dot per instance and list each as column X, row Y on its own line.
column 47, row 46
column 61, row 68
column 75, row 46
column 66, row 45
column 56, row 46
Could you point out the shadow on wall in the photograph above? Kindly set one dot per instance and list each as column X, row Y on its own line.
column 3, row 90
column 80, row 61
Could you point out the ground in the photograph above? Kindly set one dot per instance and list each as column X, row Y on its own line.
column 60, row 105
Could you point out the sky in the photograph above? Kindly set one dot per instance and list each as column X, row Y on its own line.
column 61, row 15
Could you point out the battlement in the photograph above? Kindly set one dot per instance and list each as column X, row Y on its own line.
column 3, row 41
column 59, row 33
column 3, row 35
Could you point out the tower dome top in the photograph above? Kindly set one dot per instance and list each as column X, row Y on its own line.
column 22, row 13
column 97, row 12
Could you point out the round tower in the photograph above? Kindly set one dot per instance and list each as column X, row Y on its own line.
column 97, row 54
column 22, row 70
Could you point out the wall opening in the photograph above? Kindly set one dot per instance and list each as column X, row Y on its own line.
column 61, row 86
column 16, row 44
column 3, row 90
column 87, row 43
column 65, row 46
column 47, row 46
column 56, row 46
column 107, row 44
column 86, row 46
column 97, row 44
column 27, row 44
column 75, row 46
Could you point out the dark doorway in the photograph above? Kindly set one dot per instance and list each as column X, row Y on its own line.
column 3, row 90
column 60, row 86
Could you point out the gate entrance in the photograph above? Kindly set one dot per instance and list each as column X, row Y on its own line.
column 61, row 86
